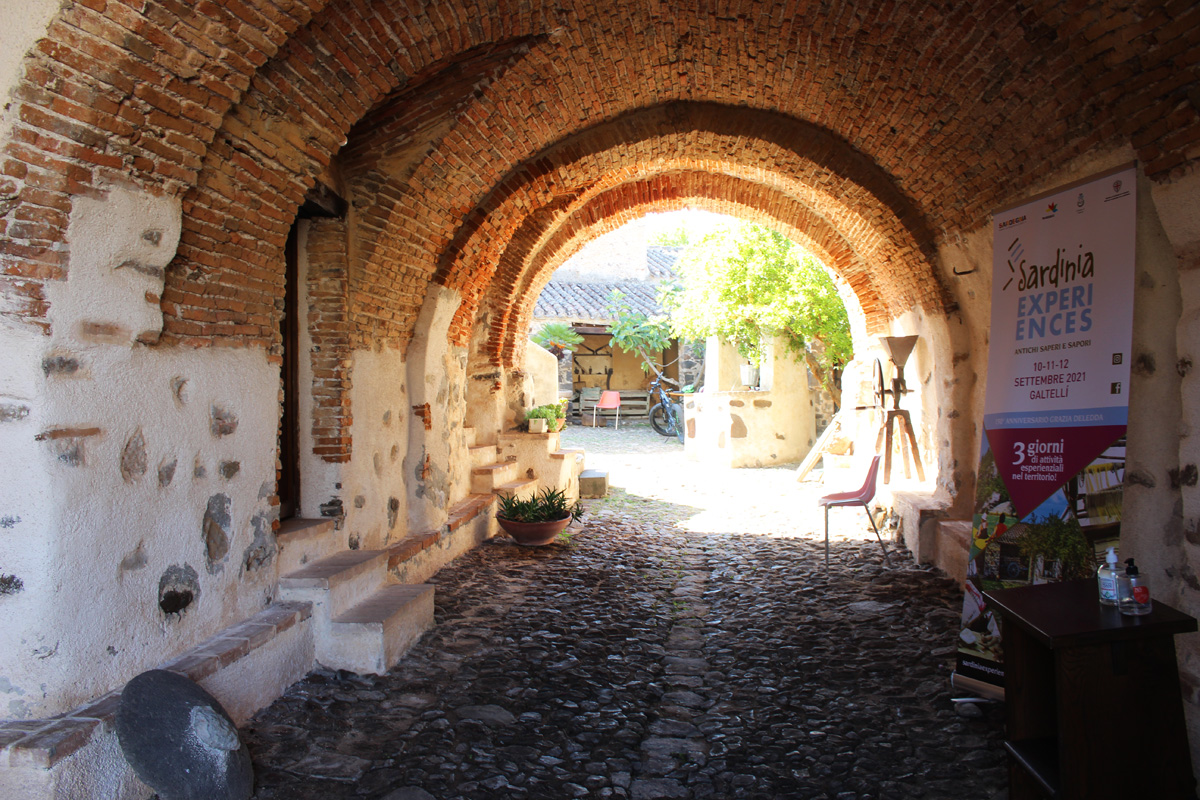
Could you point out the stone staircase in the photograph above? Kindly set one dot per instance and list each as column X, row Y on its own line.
column 521, row 464
column 361, row 623
column 370, row 606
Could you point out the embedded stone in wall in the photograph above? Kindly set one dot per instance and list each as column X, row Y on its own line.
column 103, row 332
column 166, row 472
column 179, row 390
column 67, row 443
column 222, row 422
column 133, row 457
column 10, row 584
column 13, row 412
column 377, row 463
column 178, row 588
column 229, row 468
column 737, row 427
column 393, row 512
column 199, row 471
column 59, row 365
column 262, row 546
column 335, row 510
column 216, row 531
column 135, row 560
column 423, row 412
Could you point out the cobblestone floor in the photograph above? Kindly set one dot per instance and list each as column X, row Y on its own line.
column 686, row 643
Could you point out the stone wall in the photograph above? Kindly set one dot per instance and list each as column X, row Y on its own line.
column 772, row 425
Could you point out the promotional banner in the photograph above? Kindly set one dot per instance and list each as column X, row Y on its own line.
column 1048, row 495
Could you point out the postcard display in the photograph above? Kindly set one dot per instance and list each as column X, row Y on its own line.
column 1048, row 495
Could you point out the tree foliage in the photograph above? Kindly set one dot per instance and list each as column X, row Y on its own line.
column 679, row 236
column 634, row 331
column 746, row 284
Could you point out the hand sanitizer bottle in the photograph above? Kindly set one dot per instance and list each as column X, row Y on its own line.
column 1106, row 576
column 1133, row 595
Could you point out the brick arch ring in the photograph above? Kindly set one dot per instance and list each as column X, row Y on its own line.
column 522, row 275
column 799, row 175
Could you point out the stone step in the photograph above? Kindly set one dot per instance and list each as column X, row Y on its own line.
column 303, row 540
column 593, row 483
column 483, row 454
column 374, row 635
column 523, row 488
column 336, row 583
column 485, row 479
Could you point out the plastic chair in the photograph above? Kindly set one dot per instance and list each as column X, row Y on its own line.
column 608, row 400
column 861, row 497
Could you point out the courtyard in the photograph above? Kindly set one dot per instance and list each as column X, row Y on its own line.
column 687, row 642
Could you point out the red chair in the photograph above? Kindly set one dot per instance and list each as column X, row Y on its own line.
column 861, row 497
column 608, row 400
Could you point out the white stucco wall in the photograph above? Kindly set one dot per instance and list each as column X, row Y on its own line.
column 542, row 366
column 436, row 459
column 95, row 544
column 142, row 469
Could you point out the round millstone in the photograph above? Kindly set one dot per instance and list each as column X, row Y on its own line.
column 180, row 741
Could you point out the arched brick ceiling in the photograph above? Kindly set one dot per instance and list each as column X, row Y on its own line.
column 755, row 159
column 237, row 106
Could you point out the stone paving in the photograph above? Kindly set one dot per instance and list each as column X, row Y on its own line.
column 675, row 647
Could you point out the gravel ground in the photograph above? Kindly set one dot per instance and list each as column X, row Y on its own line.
column 687, row 642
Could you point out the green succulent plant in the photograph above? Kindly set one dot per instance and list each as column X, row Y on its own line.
column 545, row 506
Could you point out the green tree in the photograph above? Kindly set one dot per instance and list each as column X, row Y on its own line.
column 746, row 283
column 635, row 331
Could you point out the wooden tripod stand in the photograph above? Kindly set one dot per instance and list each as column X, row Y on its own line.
column 908, row 443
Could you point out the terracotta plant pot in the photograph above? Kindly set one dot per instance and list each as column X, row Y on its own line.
column 533, row 534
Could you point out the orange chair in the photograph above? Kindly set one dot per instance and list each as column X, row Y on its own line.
column 608, row 400
column 861, row 497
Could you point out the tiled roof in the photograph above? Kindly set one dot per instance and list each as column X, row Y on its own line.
column 661, row 260
column 585, row 302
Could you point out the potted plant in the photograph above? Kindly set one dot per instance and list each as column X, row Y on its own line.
column 537, row 520
column 550, row 417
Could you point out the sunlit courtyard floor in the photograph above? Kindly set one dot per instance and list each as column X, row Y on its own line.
column 687, row 642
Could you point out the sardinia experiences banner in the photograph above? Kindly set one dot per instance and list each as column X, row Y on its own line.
column 1048, row 494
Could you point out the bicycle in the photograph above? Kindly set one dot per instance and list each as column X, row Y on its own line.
column 666, row 416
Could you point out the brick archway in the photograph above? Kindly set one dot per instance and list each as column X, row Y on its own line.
column 799, row 176
column 532, row 259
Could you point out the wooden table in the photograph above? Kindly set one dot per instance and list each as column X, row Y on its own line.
column 1093, row 707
